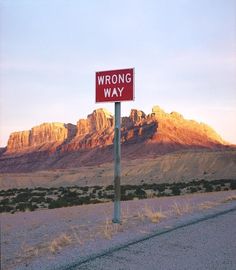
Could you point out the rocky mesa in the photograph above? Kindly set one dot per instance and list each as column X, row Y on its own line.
column 90, row 141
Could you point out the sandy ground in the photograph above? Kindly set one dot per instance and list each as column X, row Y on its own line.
column 208, row 245
column 173, row 167
column 48, row 239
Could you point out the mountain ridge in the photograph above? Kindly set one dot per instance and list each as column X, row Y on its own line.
column 90, row 141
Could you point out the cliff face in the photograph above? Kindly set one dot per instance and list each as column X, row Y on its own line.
column 44, row 137
column 97, row 121
column 18, row 141
column 95, row 131
column 90, row 141
column 175, row 129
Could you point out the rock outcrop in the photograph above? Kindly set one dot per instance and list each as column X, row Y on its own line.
column 175, row 129
column 58, row 145
column 97, row 121
column 43, row 137
column 18, row 141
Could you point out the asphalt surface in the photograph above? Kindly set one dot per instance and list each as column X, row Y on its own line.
column 209, row 244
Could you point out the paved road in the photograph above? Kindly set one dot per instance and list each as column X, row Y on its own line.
column 208, row 245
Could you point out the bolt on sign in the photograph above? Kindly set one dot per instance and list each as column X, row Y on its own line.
column 115, row 85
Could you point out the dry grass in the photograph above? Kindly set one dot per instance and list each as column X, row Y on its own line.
column 229, row 199
column 152, row 215
column 180, row 209
column 76, row 235
column 207, row 205
column 29, row 251
column 61, row 241
column 125, row 213
column 110, row 229
column 140, row 215
column 148, row 213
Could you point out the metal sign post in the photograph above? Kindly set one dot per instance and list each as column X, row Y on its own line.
column 117, row 159
column 115, row 86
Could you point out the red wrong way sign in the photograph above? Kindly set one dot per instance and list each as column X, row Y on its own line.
column 115, row 85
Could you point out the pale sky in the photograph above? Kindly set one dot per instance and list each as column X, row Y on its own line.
column 183, row 52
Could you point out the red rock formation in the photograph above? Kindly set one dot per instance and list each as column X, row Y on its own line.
column 174, row 128
column 47, row 133
column 99, row 120
column 91, row 141
column 137, row 116
column 18, row 141
column 44, row 137
column 95, row 131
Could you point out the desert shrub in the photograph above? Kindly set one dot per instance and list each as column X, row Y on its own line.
column 180, row 185
column 175, row 190
column 85, row 200
column 71, row 197
column 43, row 188
column 39, row 194
column 128, row 187
column 202, row 182
column 128, row 197
column 9, row 192
column 110, row 187
column 108, row 196
column 37, row 199
column 22, row 197
column 67, row 201
column 5, row 201
column 93, row 196
column 94, row 201
column 161, row 187
column 153, row 186
column 62, row 189
column 208, row 187
column 100, row 195
column 70, row 194
column 97, row 187
column 33, row 207
column 193, row 183
column 214, row 182
column 233, row 185
column 146, row 186
column 48, row 200
column 161, row 194
column 58, row 203
column 6, row 208
column 199, row 188
column 140, row 193
column 193, row 189
column 51, row 191
column 24, row 206
column 85, row 189
column 123, row 190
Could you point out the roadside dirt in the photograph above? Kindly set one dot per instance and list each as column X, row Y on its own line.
column 42, row 239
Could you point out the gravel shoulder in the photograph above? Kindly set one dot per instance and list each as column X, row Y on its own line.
column 209, row 244
column 43, row 239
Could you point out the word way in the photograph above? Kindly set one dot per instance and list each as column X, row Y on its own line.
column 108, row 92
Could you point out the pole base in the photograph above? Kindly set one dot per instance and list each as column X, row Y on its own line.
column 116, row 221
